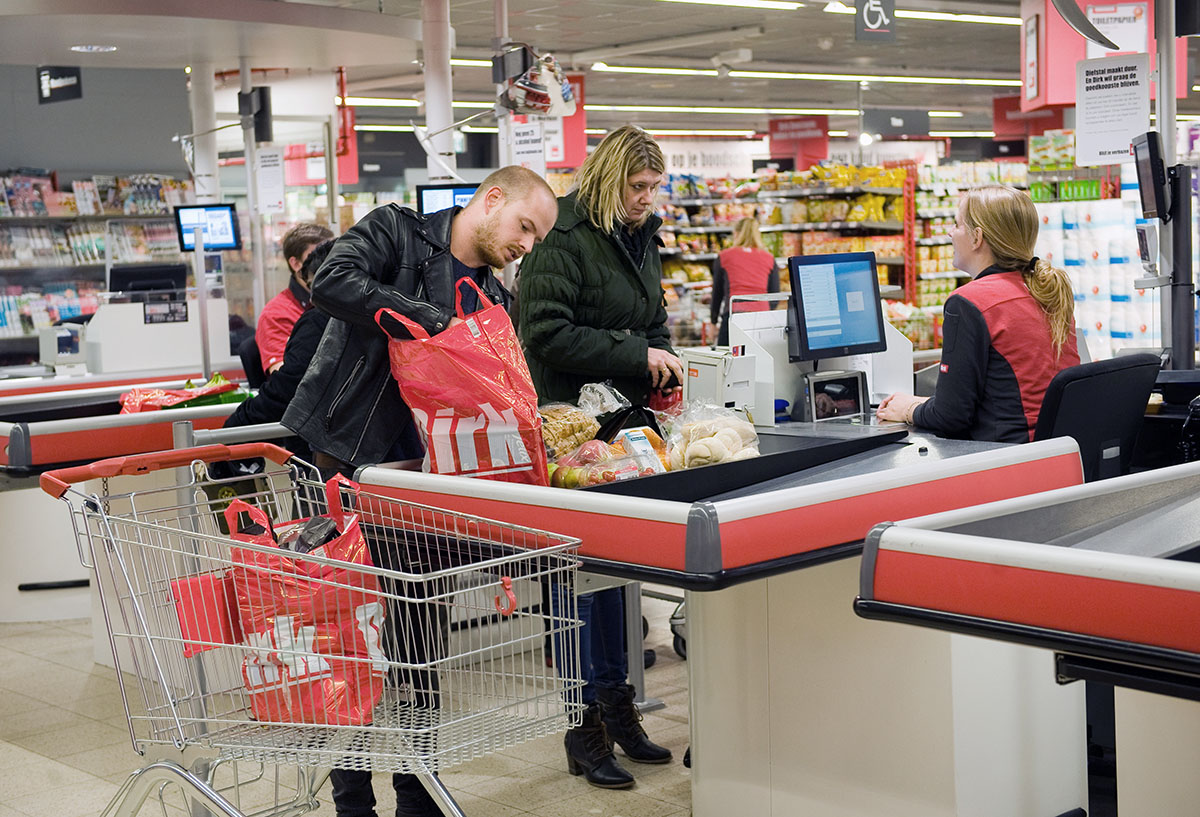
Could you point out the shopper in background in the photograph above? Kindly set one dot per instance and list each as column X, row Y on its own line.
column 746, row 268
column 272, row 399
column 280, row 313
column 348, row 408
column 591, row 309
column 1006, row 333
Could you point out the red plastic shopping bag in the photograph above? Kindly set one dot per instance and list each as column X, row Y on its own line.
column 312, row 629
column 471, row 396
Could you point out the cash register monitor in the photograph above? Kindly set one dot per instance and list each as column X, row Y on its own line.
column 834, row 310
column 434, row 197
column 1151, row 175
column 142, row 282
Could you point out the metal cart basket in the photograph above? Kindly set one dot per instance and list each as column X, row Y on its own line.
column 449, row 659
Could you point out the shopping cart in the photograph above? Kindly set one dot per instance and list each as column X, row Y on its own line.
column 459, row 668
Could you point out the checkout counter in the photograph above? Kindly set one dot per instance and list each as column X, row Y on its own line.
column 1096, row 582
column 56, row 419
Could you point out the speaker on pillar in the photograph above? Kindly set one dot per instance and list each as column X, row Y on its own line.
column 1187, row 18
column 257, row 103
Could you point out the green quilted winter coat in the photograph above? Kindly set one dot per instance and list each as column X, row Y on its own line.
column 588, row 312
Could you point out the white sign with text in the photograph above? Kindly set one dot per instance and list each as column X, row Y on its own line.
column 1112, row 98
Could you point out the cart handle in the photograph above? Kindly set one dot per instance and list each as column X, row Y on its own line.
column 58, row 481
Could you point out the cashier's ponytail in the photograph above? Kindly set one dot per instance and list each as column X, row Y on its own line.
column 1009, row 223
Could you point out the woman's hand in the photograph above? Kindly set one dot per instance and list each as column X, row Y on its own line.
column 661, row 364
column 899, row 408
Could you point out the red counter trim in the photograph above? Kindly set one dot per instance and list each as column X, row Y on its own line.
column 98, row 443
column 1123, row 611
column 42, row 386
column 801, row 530
column 3, row 449
column 602, row 536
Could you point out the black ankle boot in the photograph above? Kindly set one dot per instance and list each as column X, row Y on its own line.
column 624, row 724
column 589, row 753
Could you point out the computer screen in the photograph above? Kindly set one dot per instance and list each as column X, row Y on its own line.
column 834, row 310
column 218, row 221
column 1151, row 174
column 165, row 281
column 434, row 197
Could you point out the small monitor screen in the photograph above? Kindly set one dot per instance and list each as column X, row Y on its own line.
column 434, row 197
column 218, row 221
column 1151, row 174
column 144, row 282
column 834, row 309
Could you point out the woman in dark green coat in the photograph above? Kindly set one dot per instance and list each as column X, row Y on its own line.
column 591, row 309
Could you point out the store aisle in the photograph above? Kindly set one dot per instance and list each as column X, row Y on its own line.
column 64, row 744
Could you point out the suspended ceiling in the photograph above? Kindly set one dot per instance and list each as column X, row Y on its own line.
column 378, row 42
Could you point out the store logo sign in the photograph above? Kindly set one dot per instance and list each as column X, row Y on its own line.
column 875, row 20
column 58, row 82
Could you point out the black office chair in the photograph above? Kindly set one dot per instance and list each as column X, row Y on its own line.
column 251, row 362
column 1101, row 405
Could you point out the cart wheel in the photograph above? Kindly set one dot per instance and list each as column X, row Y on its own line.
column 680, row 645
column 648, row 658
column 645, row 627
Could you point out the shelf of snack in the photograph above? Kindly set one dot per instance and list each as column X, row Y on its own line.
column 24, row 311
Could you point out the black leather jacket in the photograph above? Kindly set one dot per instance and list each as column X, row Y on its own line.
column 347, row 405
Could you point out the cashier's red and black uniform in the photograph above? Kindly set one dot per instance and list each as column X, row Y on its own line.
column 275, row 324
column 997, row 360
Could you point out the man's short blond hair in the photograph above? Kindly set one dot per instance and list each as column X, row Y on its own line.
column 515, row 181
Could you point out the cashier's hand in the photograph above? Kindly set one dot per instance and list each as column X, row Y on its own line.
column 660, row 365
column 899, row 408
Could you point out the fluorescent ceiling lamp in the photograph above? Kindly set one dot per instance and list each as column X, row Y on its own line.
column 839, row 133
column 391, row 102
column 703, row 72
column 693, row 132
column 384, row 128
column 1000, row 83
column 479, row 129
column 945, row 114
column 982, row 134
column 838, row 7
column 93, row 49
column 471, row 63
column 698, row 109
column 774, row 5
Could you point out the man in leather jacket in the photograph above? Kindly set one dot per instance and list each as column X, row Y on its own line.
column 347, row 407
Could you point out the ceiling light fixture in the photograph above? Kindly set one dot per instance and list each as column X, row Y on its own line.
column 391, row 102
column 471, row 63
column 982, row 134
column 839, row 133
column 384, row 128
column 94, row 49
column 746, row 134
column 838, row 7
column 816, row 77
column 479, row 129
column 945, row 114
column 773, row 5
column 708, row 109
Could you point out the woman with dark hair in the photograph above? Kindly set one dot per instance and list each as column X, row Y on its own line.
column 1006, row 333
column 591, row 308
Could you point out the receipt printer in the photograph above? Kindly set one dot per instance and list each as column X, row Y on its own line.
column 723, row 375
column 829, row 395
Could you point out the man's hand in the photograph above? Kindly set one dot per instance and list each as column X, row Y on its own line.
column 661, row 364
column 899, row 408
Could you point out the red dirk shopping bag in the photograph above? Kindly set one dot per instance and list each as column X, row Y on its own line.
column 471, row 396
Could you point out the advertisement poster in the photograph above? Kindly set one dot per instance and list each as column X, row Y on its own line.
column 1126, row 24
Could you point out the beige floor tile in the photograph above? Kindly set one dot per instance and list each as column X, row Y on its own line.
column 5, row 811
column 100, row 708
column 38, row 717
column 77, row 656
column 78, row 737
column 14, row 629
column 47, row 639
column 627, row 803
column 542, row 751
column 31, row 777
column 81, row 626
column 73, row 800
column 672, row 783
column 486, row 768
column 531, row 788
column 12, row 703
column 474, row 806
column 105, row 762
column 54, row 683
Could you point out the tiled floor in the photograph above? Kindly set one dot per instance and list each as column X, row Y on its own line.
column 64, row 743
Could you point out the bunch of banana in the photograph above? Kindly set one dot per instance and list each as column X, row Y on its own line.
column 565, row 428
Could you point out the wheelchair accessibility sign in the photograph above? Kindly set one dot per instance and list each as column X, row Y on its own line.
column 875, row 20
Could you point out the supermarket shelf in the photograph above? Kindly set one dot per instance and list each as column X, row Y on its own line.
column 687, row 284
column 935, row 241
column 668, row 251
column 931, row 276
column 60, row 219
column 889, row 259
column 698, row 256
column 50, row 266
column 793, row 193
column 937, row 212
column 891, row 293
column 699, row 228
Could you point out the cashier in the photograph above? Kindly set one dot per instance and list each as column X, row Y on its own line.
column 1006, row 333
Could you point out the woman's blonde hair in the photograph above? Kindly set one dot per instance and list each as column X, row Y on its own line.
column 1009, row 223
column 746, row 234
column 600, row 183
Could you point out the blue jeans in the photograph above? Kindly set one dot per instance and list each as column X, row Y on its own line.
column 602, row 659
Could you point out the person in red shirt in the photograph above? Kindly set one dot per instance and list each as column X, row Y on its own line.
column 746, row 268
column 280, row 313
